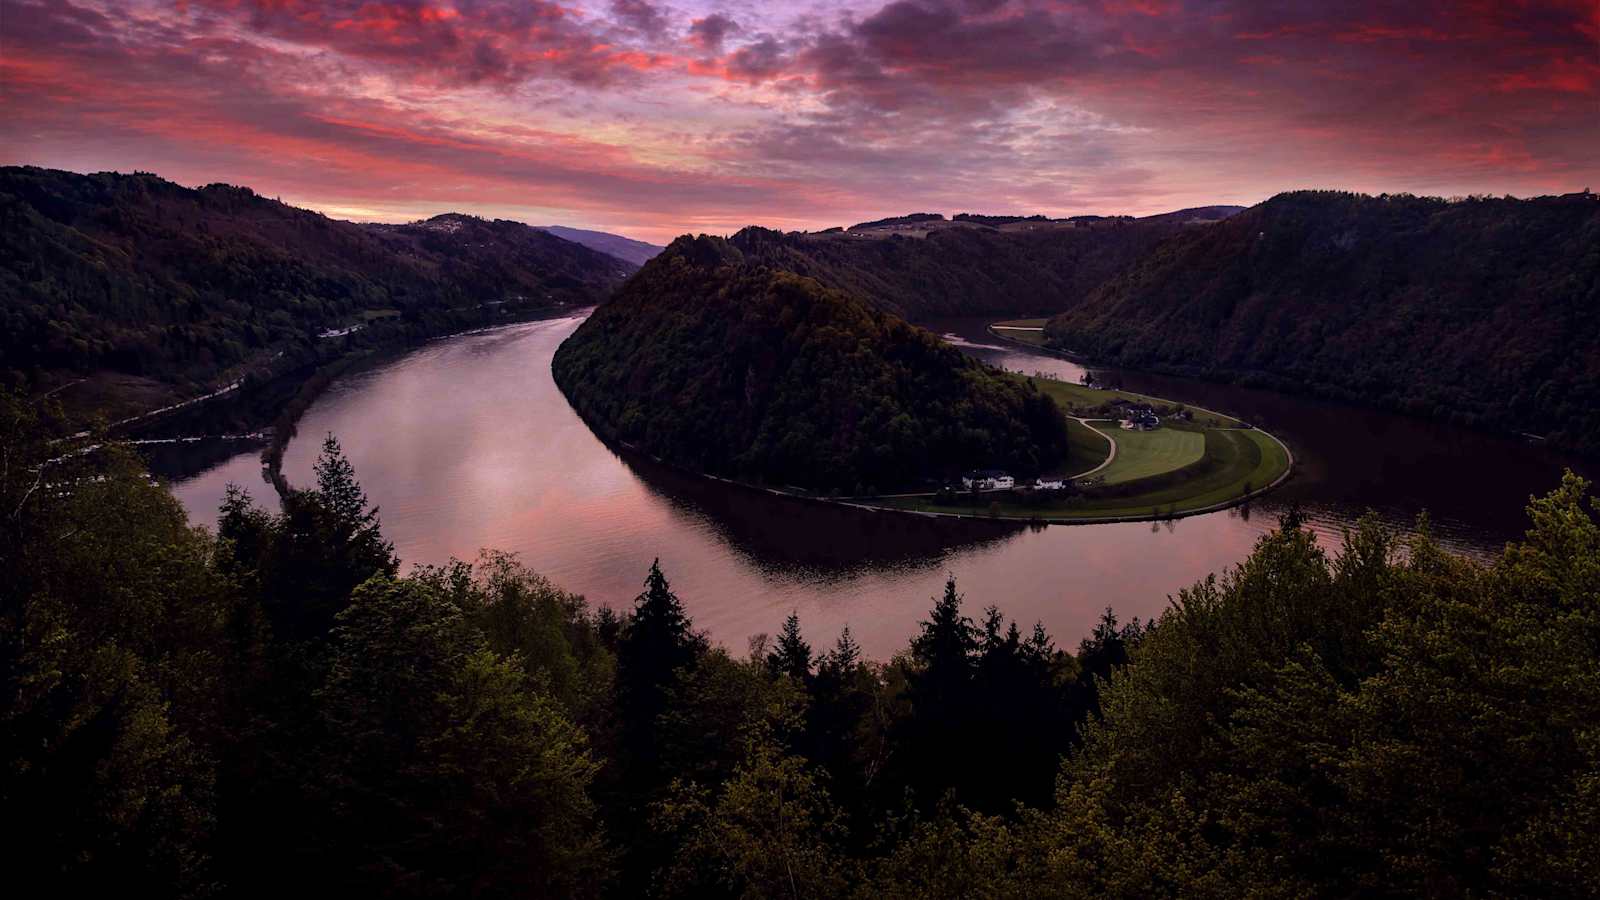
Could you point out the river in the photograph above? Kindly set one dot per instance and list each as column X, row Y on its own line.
column 468, row 444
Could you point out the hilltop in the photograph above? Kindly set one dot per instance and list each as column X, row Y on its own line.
column 714, row 360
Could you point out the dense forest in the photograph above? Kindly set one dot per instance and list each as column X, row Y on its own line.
column 277, row 706
column 966, row 268
column 1481, row 311
column 134, row 275
column 712, row 360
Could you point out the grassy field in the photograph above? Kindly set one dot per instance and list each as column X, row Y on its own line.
column 1141, row 454
column 1086, row 449
column 1181, row 467
column 1235, row 463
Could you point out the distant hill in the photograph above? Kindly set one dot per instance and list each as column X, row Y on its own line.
column 966, row 267
column 714, row 360
column 135, row 280
column 626, row 249
column 1483, row 311
column 912, row 219
column 1196, row 215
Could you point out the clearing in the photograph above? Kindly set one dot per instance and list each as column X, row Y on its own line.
column 1141, row 454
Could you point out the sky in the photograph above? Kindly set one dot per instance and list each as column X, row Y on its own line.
column 654, row 119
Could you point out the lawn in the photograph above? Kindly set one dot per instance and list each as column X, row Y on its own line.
column 1086, row 449
column 1141, row 454
column 1236, row 462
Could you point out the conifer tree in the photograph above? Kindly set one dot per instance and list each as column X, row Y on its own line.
column 792, row 655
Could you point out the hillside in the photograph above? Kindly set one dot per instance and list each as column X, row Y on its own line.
column 623, row 248
column 152, row 288
column 1483, row 312
column 712, row 360
column 962, row 267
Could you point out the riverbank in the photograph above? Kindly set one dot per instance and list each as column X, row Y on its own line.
column 270, row 408
column 1162, row 475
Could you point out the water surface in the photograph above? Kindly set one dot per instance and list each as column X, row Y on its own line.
column 467, row 444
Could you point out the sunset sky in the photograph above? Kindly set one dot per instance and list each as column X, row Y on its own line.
column 656, row 118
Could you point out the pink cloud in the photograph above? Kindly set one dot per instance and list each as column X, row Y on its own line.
column 658, row 119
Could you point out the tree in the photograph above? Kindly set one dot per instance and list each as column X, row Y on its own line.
column 657, row 644
column 113, row 649
column 442, row 765
column 306, row 561
column 772, row 831
column 792, row 655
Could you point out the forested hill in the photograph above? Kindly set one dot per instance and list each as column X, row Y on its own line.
column 710, row 359
column 1483, row 311
column 922, row 269
column 184, row 287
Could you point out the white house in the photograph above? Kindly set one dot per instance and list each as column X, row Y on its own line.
column 988, row 480
column 1049, row 484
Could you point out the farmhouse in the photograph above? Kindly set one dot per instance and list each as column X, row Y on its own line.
column 1049, row 484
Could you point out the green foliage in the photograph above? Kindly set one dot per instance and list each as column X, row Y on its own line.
column 1482, row 312
column 112, row 634
column 745, row 371
column 963, row 270
column 190, row 715
column 442, row 768
column 136, row 275
column 772, row 831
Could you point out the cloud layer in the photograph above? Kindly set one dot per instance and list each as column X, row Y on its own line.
column 655, row 118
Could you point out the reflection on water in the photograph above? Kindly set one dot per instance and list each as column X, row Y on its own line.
column 468, row 444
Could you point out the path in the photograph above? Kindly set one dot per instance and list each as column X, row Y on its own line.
column 1109, row 439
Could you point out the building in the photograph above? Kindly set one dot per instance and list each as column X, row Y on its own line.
column 1049, row 484
column 988, row 480
column 1140, row 418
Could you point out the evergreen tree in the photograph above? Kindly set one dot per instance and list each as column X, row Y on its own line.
column 656, row 648
column 944, row 653
column 792, row 655
column 846, row 653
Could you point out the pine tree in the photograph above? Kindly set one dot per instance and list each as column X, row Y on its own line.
column 657, row 644
column 948, row 642
column 792, row 655
column 846, row 654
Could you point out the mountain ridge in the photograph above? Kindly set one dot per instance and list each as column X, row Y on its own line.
column 1481, row 311
column 158, row 292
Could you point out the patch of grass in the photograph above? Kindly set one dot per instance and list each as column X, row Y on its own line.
column 1021, row 323
column 1235, row 462
column 1086, row 449
column 1141, row 454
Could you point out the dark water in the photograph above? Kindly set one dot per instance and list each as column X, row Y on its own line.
column 468, row 444
column 1473, row 485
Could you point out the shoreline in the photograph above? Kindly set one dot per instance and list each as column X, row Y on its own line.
column 284, row 429
column 1082, row 361
column 865, row 504
column 302, row 388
